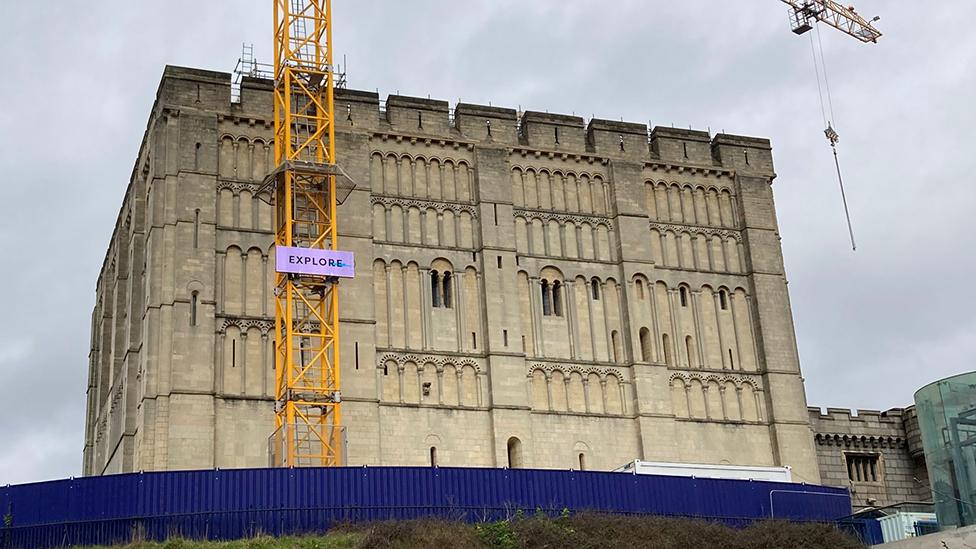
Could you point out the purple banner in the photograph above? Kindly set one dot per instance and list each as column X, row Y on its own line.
column 314, row 262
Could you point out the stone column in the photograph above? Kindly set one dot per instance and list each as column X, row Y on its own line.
column 244, row 282
column 458, row 297
column 606, row 322
column 735, row 331
column 243, row 354
column 221, row 279
column 658, row 346
column 440, row 228
column 675, row 335
column 406, row 308
column 219, row 373
column 549, row 390
column 264, row 364
column 534, row 288
column 721, row 392
column 389, row 314
column 718, row 327
column 752, row 333
column 545, row 238
column 264, row 287
column 423, row 227
column 425, row 306
column 589, row 307
column 586, row 393
column 562, row 238
column 569, row 294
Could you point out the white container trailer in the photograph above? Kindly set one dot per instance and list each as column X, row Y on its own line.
column 901, row 525
column 702, row 470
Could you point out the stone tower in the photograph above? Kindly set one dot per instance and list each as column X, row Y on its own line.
column 530, row 292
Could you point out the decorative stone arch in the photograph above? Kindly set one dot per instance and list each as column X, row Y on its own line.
column 581, row 456
column 515, row 451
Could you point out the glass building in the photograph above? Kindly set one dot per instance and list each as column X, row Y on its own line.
column 947, row 418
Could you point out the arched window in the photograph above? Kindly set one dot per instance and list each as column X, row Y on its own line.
column 435, row 289
column 640, row 289
column 514, row 453
column 433, row 456
column 645, row 344
column 582, row 461
column 667, row 349
column 557, row 301
column 723, row 299
column 595, row 288
column 683, row 293
column 447, row 294
column 546, row 299
column 193, row 308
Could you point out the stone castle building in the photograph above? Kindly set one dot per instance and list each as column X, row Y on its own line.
column 876, row 455
column 530, row 292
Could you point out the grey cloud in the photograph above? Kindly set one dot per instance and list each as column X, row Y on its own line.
column 872, row 326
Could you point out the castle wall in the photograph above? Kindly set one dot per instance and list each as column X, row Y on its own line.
column 877, row 455
column 530, row 292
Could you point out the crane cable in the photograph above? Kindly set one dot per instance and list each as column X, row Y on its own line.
column 831, row 134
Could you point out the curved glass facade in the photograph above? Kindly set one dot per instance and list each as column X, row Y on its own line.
column 947, row 418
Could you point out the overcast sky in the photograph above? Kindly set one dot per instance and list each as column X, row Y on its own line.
column 78, row 80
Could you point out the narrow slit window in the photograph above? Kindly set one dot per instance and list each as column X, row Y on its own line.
column 196, row 228
column 233, row 353
column 196, row 157
column 546, row 299
column 193, row 309
column 499, row 262
column 505, row 337
column 435, row 289
column 474, row 340
column 731, row 360
column 495, row 206
column 433, row 456
column 683, row 294
column 555, row 133
column 357, row 355
column 723, row 300
column 684, row 147
column 595, row 289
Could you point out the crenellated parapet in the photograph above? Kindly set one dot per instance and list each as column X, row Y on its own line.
column 363, row 111
column 842, row 421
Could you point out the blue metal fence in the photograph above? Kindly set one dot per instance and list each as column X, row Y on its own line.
column 235, row 503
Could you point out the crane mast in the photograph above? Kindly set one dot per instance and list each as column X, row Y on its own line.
column 307, row 379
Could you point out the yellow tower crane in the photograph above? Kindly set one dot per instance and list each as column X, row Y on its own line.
column 308, row 264
column 804, row 13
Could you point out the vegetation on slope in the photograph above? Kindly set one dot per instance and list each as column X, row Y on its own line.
column 584, row 531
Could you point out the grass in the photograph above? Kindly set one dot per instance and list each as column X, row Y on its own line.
column 583, row 531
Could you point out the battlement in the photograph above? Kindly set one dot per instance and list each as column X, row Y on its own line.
column 858, row 422
column 428, row 118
